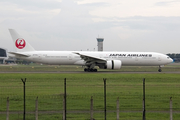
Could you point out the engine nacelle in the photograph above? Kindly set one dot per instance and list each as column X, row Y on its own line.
column 113, row 64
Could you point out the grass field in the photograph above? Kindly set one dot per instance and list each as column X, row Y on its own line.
column 80, row 87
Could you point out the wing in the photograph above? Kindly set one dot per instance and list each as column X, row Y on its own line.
column 91, row 59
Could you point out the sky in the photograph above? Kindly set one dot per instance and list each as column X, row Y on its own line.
column 125, row 25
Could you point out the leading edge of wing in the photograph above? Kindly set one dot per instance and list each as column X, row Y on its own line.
column 87, row 57
column 19, row 54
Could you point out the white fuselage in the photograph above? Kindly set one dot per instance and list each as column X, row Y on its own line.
column 104, row 60
column 70, row 58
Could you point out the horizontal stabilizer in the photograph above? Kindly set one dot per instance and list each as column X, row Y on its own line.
column 19, row 54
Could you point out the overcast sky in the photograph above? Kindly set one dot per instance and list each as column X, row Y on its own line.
column 125, row 25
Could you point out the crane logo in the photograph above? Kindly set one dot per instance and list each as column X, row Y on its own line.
column 20, row 43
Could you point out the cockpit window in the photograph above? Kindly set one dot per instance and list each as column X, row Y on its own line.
column 168, row 57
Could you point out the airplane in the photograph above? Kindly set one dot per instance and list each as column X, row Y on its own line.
column 90, row 59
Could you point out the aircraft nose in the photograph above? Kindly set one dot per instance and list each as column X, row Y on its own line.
column 171, row 60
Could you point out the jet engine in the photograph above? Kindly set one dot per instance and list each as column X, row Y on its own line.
column 113, row 64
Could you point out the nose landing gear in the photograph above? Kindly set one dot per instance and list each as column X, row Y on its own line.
column 159, row 70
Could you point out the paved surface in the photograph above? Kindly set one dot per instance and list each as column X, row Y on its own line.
column 99, row 72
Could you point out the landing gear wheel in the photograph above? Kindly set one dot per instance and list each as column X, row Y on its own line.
column 90, row 70
column 85, row 70
column 159, row 70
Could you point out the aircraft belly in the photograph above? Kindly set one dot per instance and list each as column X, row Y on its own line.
column 59, row 61
column 79, row 62
column 52, row 61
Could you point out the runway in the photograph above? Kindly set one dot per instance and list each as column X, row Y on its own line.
column 99, row 72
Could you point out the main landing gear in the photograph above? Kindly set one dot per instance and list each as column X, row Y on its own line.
column 90, row 70
column 159, row 70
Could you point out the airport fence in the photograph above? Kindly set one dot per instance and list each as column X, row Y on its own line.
column 88, row 101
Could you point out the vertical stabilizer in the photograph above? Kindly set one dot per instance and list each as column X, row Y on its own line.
column 20, row 44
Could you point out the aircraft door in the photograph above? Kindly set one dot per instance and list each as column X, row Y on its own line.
column 137, row 61
column 101, row 55
column 159, row 58
column 39, row 57
column 70, row 56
